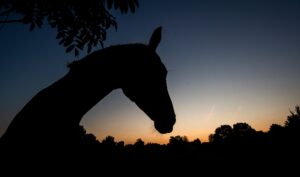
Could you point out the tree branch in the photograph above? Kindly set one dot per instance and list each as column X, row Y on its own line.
column 7, row 12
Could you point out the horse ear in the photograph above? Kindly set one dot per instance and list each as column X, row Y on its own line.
column 155, row 38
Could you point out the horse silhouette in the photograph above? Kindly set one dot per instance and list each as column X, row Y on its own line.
column 53, row 115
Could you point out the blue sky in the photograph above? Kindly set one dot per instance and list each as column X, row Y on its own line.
column 228, row 61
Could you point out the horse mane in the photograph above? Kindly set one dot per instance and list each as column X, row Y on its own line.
column 105, row 52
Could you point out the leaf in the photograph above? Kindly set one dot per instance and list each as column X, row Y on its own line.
column 32, row 26
column 39, row 22
column 131, row 6
column 123, row 6
column 136, row 3
column 107, row 25
column 70, row 48
column 61, row 41
column 101, row 43
column 89, row 47
column 116, row 4
column 76, row 52
column 27, row 19
column 109, row 4
column 53, row 24
column 59, row 35
column 79, row 44
column 68, row 41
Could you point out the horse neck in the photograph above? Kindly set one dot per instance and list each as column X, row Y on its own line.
column 89, row 81
column 62, row 104
column 83, row 93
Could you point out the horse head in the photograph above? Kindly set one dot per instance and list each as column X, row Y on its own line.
column 146, row 86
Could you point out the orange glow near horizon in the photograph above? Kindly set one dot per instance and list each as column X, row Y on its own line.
column 192, row 122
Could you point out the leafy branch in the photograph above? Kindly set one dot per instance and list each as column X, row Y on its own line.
column 80, row 24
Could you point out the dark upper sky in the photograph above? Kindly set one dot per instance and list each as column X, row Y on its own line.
column 228, row 61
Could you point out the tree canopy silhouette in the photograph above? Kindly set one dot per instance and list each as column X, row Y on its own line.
column 243, row 131
column 109, row 140
column 292, row 126
column 240, row 133
column 139, row 143
column 293, row 120
column 177, row 140
column 79, row 23
column 178, row 143
column 222, row 134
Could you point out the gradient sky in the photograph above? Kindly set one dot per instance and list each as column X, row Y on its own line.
column 228, row 61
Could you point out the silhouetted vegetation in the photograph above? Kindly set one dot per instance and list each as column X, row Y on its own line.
column 78, row 23
column 238, row 146
column 240, row 135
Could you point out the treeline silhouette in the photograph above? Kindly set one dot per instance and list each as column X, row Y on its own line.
column 239, row 134
column 229, row 148
column 239, row 144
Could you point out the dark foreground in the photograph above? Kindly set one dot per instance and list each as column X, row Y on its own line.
column 237, row 160
column 236, row 150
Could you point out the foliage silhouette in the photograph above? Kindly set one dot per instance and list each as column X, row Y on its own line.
column 109, row 141
column 139, row 143
column 241, row 133
column 293, row 120
column 197, row 142
column 78, row 23
column 177, row 140
column 277, row 134
column 222, row 134
column 275, row 153
column 51, row 118
column 292, row 127
column 238, row 147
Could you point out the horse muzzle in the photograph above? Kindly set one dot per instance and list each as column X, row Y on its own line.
column 164, row 126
